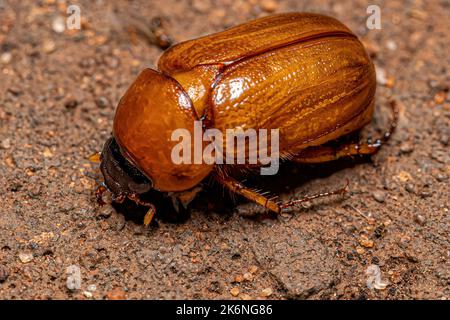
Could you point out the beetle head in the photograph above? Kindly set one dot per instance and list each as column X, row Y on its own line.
column 148, row 114
column 121, row 177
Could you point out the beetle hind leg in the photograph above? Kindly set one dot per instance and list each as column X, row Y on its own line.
column 254, row 196
column 237, row 187
column 340, row 191
column 324, row 153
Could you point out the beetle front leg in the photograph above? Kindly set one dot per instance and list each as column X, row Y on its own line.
column 151, row 208
column 101, row 189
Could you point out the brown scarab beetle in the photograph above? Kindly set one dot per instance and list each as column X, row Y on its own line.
column 305, row 74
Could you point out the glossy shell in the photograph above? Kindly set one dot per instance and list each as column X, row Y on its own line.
column 147, row 114
column 304, row 74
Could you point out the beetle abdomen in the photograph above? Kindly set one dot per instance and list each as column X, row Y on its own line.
column 309, row 90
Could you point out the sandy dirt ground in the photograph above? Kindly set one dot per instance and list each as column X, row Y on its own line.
column 58, row 92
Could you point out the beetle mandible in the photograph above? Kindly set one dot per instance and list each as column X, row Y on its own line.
column 305, row 74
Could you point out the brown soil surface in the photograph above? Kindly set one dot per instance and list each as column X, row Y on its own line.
column 58, row 92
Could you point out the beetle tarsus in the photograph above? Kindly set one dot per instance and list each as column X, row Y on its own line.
column 340, row 191
column 99, row 194
column 148, row 218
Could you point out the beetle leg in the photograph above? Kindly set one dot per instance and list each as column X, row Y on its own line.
column 291, row 203
column 325, row 154
column 99, row 194
column 252, row 195
column 149, row 216
column 151, row 208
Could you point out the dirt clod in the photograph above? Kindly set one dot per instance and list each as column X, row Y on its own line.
column 379, row 196
column 267, row 292
column 234, row 291
column 25, row 257
column 365, row 242
column 248, row 276
column 420, row 219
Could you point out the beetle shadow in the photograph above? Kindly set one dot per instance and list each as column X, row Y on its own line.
column 214, row 198
column 165, row 210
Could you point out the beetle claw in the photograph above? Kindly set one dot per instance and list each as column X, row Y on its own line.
column 99, row 194
column 148, row 218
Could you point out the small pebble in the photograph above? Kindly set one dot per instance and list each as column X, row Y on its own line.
column 73, row 281
column 269, row 5
column 25, row 257
column 92, row 288
column 116, row 294
column 200, row 5
column 390, row 82
column 419, row 219
column 248, row 276
column 374, row 278
column 406, row 147
column 425, row 194
column 365, row 242
column 6, row 143
column 47, row 153
column 403, row 176
column 391, row 45
column 87, row 294
column 441, row 177
column 234, row 292
column 253, row 269
column 360, row 250
column 439, row 98
column 267, row 292
column 71, row 104
column 381, row 76
column 48, row 46
column 58, row 24
column 101, row 102
column 409, row 187
column 138, row 230
column 6, row 57
column 239, row 278
column 379, row 196
column 444, row 139
column 379, row 231
column 245, row 296
column 396, row 277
